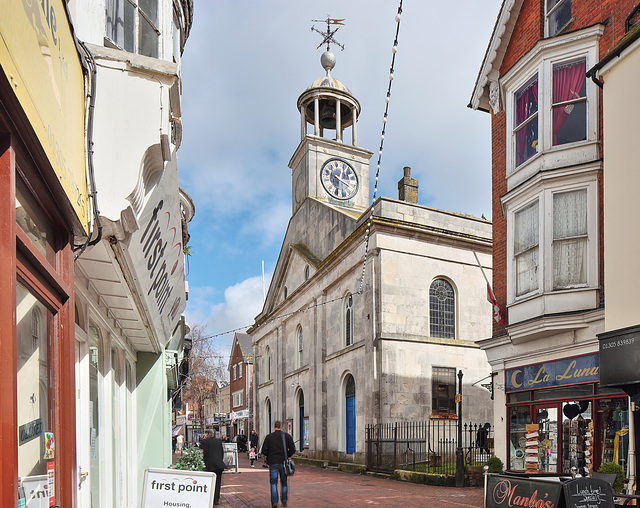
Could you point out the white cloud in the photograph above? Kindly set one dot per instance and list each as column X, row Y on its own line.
column 242, row 303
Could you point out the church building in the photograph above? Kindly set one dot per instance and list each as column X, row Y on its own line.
column 373, row 309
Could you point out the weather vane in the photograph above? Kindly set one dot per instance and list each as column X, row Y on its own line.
column 328, row 36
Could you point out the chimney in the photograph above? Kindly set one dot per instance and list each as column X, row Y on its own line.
column 408, row 187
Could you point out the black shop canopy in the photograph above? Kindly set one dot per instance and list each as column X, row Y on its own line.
column 620, row 358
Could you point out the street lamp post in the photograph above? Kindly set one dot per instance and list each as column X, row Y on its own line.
column 459, row 449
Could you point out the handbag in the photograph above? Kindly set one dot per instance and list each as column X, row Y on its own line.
column 289, row 465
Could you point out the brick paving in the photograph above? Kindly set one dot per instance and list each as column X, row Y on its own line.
column 313, row 487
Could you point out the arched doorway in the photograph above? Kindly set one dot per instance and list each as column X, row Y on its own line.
column 268, row 415
column 301, row 419
column 350, row 412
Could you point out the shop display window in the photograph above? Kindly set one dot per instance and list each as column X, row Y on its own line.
column 550, row 435
column 33, row 323
column 613, row 420
column 578, row 437
column 547, row 441
column 519, row 417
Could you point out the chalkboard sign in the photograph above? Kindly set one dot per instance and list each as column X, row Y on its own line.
column 588, row 493
column 507, row 491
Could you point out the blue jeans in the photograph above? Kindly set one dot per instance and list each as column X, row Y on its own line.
column 274, row 471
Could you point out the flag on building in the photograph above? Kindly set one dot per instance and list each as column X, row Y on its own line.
column 497, row 312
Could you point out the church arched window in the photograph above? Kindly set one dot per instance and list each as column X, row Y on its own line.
column 348, row 320
column 300, row 345
column 442, row 315
column 268, row 363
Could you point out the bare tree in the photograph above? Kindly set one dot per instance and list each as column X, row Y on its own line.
column 206, row 368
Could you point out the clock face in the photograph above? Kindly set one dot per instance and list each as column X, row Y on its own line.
column 339, row 179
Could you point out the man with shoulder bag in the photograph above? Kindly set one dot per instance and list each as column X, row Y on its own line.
column 277, row 448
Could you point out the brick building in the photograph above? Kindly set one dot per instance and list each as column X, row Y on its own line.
column 548, row 249
column 241, row 384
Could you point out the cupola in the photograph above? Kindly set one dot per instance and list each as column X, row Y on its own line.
column 328, row 106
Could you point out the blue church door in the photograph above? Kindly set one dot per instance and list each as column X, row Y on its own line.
column 350, row 397
column 351, row 424
column 301, row 433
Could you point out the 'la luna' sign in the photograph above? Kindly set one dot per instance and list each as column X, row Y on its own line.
column 580, row 369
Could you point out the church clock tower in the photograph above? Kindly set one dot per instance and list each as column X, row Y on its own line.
column 323, row 166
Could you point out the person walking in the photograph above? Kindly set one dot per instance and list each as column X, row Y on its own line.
column 179, row 443
column 253, row 440
column 213, row 456
column 275, row 452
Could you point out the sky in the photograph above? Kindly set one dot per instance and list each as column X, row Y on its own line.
column 244, row 66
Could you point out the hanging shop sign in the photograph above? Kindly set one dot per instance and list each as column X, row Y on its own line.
column 157, row 253
column 620, row 357
column 41, row 63
column 173, row 487
column 567, row 371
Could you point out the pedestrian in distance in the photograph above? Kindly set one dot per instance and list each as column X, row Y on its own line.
column 213, row 456
column 482, row 438
column 275, row 452
column 179, row 443
column 253, row 440
column 253, row 455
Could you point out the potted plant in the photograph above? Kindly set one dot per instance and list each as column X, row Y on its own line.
column 191, row 460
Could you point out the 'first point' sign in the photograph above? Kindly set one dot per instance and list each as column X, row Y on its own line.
column 165, row 488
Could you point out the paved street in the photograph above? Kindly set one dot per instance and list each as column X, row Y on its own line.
column 314, row 487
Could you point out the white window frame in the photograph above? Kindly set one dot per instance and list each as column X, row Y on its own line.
column 540, row 60
column 548, row 13
column 545, row 299
column 238, row 398
column 234, row 372
column 137, row 13
column 240, row 371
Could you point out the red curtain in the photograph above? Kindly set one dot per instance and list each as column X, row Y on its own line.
column 526, row 105
column 567, row 83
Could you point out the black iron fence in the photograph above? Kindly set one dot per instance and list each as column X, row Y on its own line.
column 428, row 446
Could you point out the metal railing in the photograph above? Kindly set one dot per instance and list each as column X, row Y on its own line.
column 427, row 446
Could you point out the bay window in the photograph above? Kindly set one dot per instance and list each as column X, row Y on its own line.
column 551, row 107
column 552, row 244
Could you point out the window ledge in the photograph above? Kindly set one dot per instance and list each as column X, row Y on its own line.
column 436, row 416
column 553, row 302
column 561, row 156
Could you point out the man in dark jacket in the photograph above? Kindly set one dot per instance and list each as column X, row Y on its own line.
column 274, row 450
column 213, row 455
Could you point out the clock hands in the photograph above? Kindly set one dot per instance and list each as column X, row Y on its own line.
column 344, row 182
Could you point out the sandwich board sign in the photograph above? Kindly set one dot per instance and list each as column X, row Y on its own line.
column 164, row 488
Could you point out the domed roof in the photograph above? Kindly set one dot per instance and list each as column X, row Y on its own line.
column 329, row 82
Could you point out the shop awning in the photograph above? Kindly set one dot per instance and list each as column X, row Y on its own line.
column 177, row 429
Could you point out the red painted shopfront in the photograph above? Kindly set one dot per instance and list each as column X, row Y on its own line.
column 42, row 209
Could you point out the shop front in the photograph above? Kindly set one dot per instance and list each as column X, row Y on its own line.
column 559, row 417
